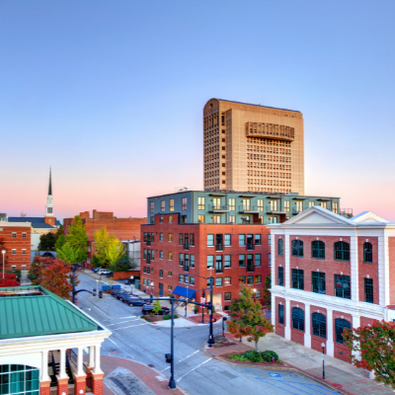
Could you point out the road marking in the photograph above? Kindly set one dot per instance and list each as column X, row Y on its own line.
column 123, row 322
column 207, row 360
column 188, row 356
column 130, row 316
column 102, row 311
column 132, row 326
column 112, row 341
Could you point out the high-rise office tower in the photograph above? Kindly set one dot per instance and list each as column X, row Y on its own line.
column 251, row 147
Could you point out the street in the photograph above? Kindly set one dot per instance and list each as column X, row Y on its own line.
column 195, row 371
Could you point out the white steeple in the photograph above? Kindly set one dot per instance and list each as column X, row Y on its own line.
column 49, row 206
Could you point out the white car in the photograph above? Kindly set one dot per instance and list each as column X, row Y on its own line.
column 103, row 271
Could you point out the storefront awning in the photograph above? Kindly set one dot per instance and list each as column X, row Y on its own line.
column 184, row 292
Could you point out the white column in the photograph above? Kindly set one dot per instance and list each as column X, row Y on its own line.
column 287, row 332
column 62, row 365
column 91, row 362
column 330, row 348
column 80, row 362
column 354, row 268
column 44, row 366
column 307, row 334
column 356, row 323
column 274, row 309
column 97, row 369
column 384, row 271
column 287, row 262
column 273, row 257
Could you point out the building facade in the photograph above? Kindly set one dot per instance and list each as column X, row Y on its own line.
column 177, row 258
column 224, row 207
column 330, row 273
column 254, row 148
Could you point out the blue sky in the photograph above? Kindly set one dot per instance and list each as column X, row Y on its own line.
column 111, row 94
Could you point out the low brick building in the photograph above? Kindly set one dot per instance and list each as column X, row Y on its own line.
column 331, row 273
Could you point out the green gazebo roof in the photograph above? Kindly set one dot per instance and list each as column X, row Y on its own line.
column 35, row 311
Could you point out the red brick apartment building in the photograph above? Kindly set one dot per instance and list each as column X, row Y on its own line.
column 121, row 228
column 331, row 273
column 16, row 238
column 177, row 256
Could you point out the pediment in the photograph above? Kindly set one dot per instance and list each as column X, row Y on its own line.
column 318, row 215
column 368, row 217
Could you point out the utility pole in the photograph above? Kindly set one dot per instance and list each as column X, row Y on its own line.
column 172, row 382
column 211, row 340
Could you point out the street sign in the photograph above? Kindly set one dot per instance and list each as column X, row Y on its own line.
column 202, row 300
column 274, row 374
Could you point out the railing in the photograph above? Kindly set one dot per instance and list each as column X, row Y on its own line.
column 219, row 207
column 248, row 208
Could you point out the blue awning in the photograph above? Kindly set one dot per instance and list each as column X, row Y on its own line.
column 185, row 292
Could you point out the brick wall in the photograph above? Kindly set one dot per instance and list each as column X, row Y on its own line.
column 391, row 263
column 341, row 351
column 97, row 384
column 280, row 259
column 368, row 269
column 63, row 386
column 17, row 243
column 79, row 385
column 45, row 388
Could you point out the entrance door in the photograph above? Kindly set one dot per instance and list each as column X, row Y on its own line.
column 160, row 289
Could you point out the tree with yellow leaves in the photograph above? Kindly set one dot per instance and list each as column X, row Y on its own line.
column 108, row 249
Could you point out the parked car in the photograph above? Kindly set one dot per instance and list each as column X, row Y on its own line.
column 114, row 292
column 103, row 272
column 95, row 269
column 149, row 308
column 121, row 294
column 129, row 281
column 136, row 302
column 125, row 297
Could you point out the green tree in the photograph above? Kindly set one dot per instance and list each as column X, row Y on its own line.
column 108, row 249
column 373, row 348
column 68, row 253
column 266, row 294
column 78, row 238
column 247, row 318
column 157, row 307
column 47, row 242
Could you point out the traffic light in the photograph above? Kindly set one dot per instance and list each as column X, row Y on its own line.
column 168, row 358
column 214, row 320
column 203, row 294
column 100, row 294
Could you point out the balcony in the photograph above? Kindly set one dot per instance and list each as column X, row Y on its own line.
column 248, row 209
column 277, row 209
column 218, row 208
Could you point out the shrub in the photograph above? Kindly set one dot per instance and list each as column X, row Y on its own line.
column 166, row 317
column 267, row 356
column 175, row 316
column 253, row 356
column 238, row 357
column 149, row 319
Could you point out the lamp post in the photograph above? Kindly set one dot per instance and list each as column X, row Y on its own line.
column 131, row 284
column 3, row 252
column 152, row 285
column 323, row 362
column 186, row 304
column 254, row 290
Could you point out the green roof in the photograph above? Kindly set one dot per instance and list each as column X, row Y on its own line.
column 35, row 311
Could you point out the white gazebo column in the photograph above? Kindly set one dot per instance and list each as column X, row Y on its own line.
column 307, row 334
column 80, row 378
column 356, row 323
column 354, row 268
column 91, row 362
column 287, row 332
column 80, row 362
column 62, row 377
column 274, row 309
column 44, row 366
column 97, row 374
column 330, row 349
column 96, row 369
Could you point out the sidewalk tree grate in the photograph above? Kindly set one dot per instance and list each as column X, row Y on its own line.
column 151, row 366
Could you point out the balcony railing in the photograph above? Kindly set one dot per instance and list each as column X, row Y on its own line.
column 248, row 209
column 218, row 207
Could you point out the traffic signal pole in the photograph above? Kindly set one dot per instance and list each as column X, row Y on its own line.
column 172, row 382
column 211, row 336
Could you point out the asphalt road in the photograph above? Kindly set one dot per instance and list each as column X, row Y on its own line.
column 195, row 372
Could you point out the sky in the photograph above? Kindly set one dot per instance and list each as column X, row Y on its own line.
column 110, row 94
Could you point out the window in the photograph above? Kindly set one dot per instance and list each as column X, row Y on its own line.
column 152, row 254
column 250, row 280
column 269, row 240
column 162, row 206
column 218, row 281
column 242, row 240
column 286, row 206
column 192, row 280
column 311, row 204
column 250, row 242
column 368, row 252
column 227, row 240
column 192, row 260
column 323, row 204
column 258, row 240
column 216, row 203
column 340, row 324
column 250, row 263
column 186, row 262
column 318, row 249
column 170, row 237
column 161, row 273
column 258, row 279
column 280, row 247
column 181, row 278
column 242, row 260
column 161, row 219
column 145, row 237
column 152, row 207
column 342, row 286
column 260, row 205
column 170, row 219
column 145, row 269
column 299, row 206
column 232, row 219
column 171, row 205
column 242, row 279
column 24, row 234
column 281, row 276
column 216, row 219
column 148, row 270
column 342, row 251
column 297, row 279
column 24, row 253
column 145, row 253
column 227, row 280
column 246, row 204
column 297, row 248
column 281, row 314
column 201, row 219
column 269, row 258
column 184, row 202
column 152, row 219
column 13, row 252
column 186, row 241
column 319, row 325
column 14, row 235
column 219, row 242
column 192, row 239
column 160, row 236
column 245, row 219
column 144, row 280
column 160, row 254
column 19, row 379
column 232, row 204
column 298, row 319
column 318, row 282
column 170, row 274
column 169, row 288
column 257, row 260
column 181, row 259
column 13, row 267
column 152, row 237
column 210, row 261
column 335, row 207
column 201, row 203
column 227, row 296
column 227, row 261
column 368, row 289
column 219, row 267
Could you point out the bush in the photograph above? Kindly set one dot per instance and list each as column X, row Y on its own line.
column 149, row 319
column 238, row 357
column 267, row 356
column 175, row 316
column 166, row 318
column 253, row 356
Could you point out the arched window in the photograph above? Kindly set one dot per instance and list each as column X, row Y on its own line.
column 342, row 251
column 368, row 252
column 318, row 249
column 319, row 325
column 19, row 379
column 298, row 319
column 297, row 248
column 280, row 245
column 340, row 324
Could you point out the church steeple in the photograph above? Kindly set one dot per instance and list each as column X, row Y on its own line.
column 49, row 216
column 50, row 182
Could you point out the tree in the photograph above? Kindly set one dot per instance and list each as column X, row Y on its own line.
column 373, row 348
column 10, row 280
column 108, row 249
column 266, row 294
column 68, row 253
column 78, row 238
column 247, row 318
column 157, row 307
column 47, row 242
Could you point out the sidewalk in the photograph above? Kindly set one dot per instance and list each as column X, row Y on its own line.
column 124, row 376
column 339, row 374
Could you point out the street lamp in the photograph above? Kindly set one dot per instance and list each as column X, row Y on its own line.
column 152, row 285
column 3, row 252
column 131, row 284
column 254, row 290
column 323, row 362
column 186, row 304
